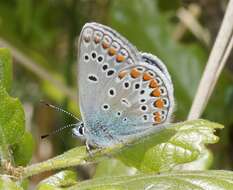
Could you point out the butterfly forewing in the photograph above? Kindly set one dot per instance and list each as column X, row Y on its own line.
column 122, row 93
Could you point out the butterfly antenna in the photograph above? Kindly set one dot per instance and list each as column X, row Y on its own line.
column 59, row 109
column 58, row 130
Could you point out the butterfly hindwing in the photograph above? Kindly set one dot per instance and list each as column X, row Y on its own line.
column 122, row 93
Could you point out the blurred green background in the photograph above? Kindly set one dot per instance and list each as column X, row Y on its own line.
column 42, row 34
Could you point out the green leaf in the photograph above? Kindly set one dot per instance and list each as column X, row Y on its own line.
column 184, row 146
column 175, row 180
column 180, row 143
column 7, row 184
column 23, row 150
column 11, row 119
column 62, row 179
column 113, row 167
column 203, row 162
column 5, row 68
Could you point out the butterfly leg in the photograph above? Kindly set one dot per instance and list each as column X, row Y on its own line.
column 88, row 149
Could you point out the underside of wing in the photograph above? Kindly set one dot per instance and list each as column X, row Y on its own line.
column 122, row 93
column 102, row 53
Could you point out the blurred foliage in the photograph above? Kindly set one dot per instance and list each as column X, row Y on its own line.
column 171, row 180
column 6, row 69
column 61, row 179
column 46, row 31
column 16, row 145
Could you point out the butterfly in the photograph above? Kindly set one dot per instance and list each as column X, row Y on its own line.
column 123, row 94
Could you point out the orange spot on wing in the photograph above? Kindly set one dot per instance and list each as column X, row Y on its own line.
column 155, row 92
column 157, row 117
column 120, row 58
column 105, row 45
column 159, row 103
column 122, row 74
column 147, row 76
column 111, row 51
column 135, row 73
column 153, row 84
column 97, row 40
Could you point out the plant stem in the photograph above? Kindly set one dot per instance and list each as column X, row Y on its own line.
column 4, row 153
column 217, row 59
column 73, row 157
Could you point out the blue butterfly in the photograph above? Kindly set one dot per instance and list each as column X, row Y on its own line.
column 124, row 94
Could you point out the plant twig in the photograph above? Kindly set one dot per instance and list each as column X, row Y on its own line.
column 189, row 20
column 73, row 157
column 35, row 68
column 5, row 154
column 217, row 59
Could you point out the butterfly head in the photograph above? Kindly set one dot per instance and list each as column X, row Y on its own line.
column 79, row 130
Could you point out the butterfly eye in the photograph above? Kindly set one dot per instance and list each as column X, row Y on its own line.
column 79, row 130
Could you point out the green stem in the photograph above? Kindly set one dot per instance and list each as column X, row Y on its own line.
column 5, row 154
column 73, row 157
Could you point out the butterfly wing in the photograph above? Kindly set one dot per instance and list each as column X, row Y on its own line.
column 97, row 63
column 122, row 93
